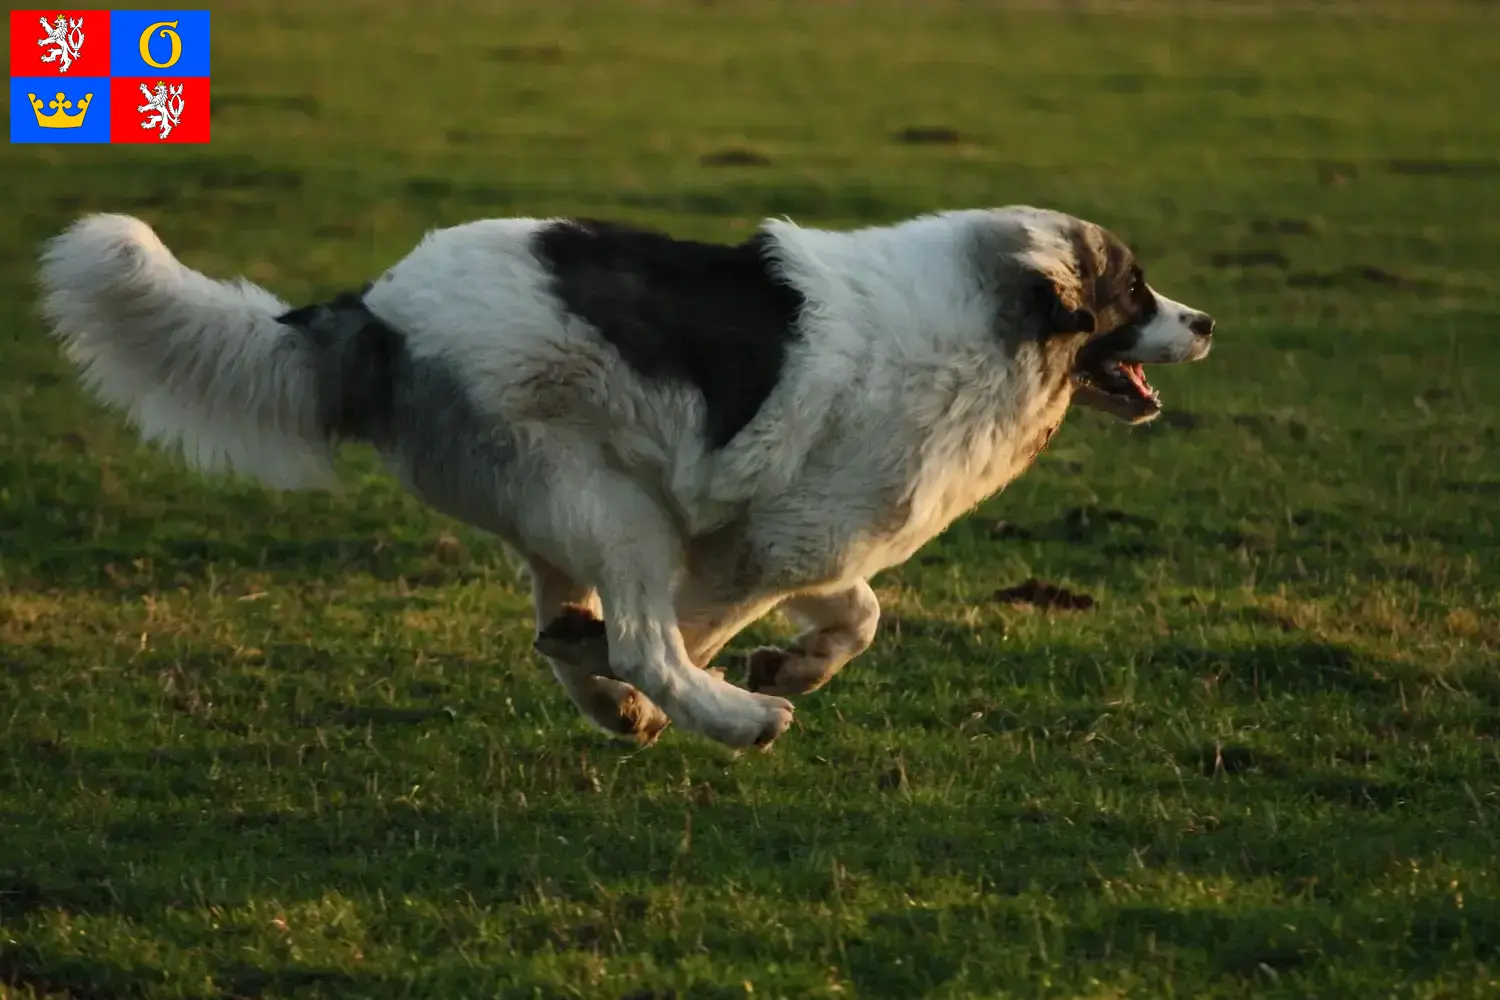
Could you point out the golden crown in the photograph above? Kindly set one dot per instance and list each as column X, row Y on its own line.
column 60, row 118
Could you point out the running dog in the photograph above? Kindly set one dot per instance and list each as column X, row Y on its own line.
column 677, row 436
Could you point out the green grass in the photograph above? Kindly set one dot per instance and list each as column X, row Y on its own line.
column 258, row 745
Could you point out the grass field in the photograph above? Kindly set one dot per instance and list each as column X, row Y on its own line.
column 258, row 745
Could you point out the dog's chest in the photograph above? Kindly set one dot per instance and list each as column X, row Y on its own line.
column 955, row 472
column 955, row 477
column 869, row 505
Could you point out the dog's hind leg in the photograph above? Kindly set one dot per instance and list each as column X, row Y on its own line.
column 707, row 626
column 570, row 634
column 840, row 626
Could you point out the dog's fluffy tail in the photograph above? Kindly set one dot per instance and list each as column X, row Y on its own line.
column 194, row 362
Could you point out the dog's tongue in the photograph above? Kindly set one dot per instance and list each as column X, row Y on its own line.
column 1137, row 376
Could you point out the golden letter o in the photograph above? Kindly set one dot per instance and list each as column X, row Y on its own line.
column 166, row 32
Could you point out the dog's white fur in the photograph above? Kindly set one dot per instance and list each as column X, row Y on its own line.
column 194, row 362
column 897, row 411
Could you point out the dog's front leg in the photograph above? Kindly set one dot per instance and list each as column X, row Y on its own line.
column 570, row 634
column 840, row 626
column 646, row 650
column 630, row 548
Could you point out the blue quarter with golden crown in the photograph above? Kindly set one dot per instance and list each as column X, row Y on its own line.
column 60, row 117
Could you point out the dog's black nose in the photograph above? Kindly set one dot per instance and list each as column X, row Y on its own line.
column 1202, row 324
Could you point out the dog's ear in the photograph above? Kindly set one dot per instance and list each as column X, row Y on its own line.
column 1057, row 317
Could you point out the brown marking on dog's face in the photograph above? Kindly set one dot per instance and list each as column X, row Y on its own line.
column 1061, row 278
column 1044, row 300
column 1112, row 280
column 1073, row 297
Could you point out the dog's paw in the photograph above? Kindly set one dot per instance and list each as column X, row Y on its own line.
column 737, row 718
column 762, row 665
column 576, row 636
column 769, row 670
column 619, row 710
column 574, row 622
column 642, row 720
column 779, row 713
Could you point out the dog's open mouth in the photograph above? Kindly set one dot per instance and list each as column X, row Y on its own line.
column 1119, row 387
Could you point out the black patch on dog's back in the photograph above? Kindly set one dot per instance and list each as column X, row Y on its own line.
column 714, row 316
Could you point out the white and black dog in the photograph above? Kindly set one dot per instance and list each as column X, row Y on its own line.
column 677, row 436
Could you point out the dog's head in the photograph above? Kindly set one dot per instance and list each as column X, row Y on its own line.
column 1084, row 296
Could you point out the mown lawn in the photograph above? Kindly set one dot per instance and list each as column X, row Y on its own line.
column 297, row 746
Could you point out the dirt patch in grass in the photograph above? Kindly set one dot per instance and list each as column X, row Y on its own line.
column 1040, row 594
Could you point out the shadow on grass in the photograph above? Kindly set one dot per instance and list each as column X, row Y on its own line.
column 811, row 852
column 81, row 538
column 1296, row 666
column 178, row 562
column 81, row 977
